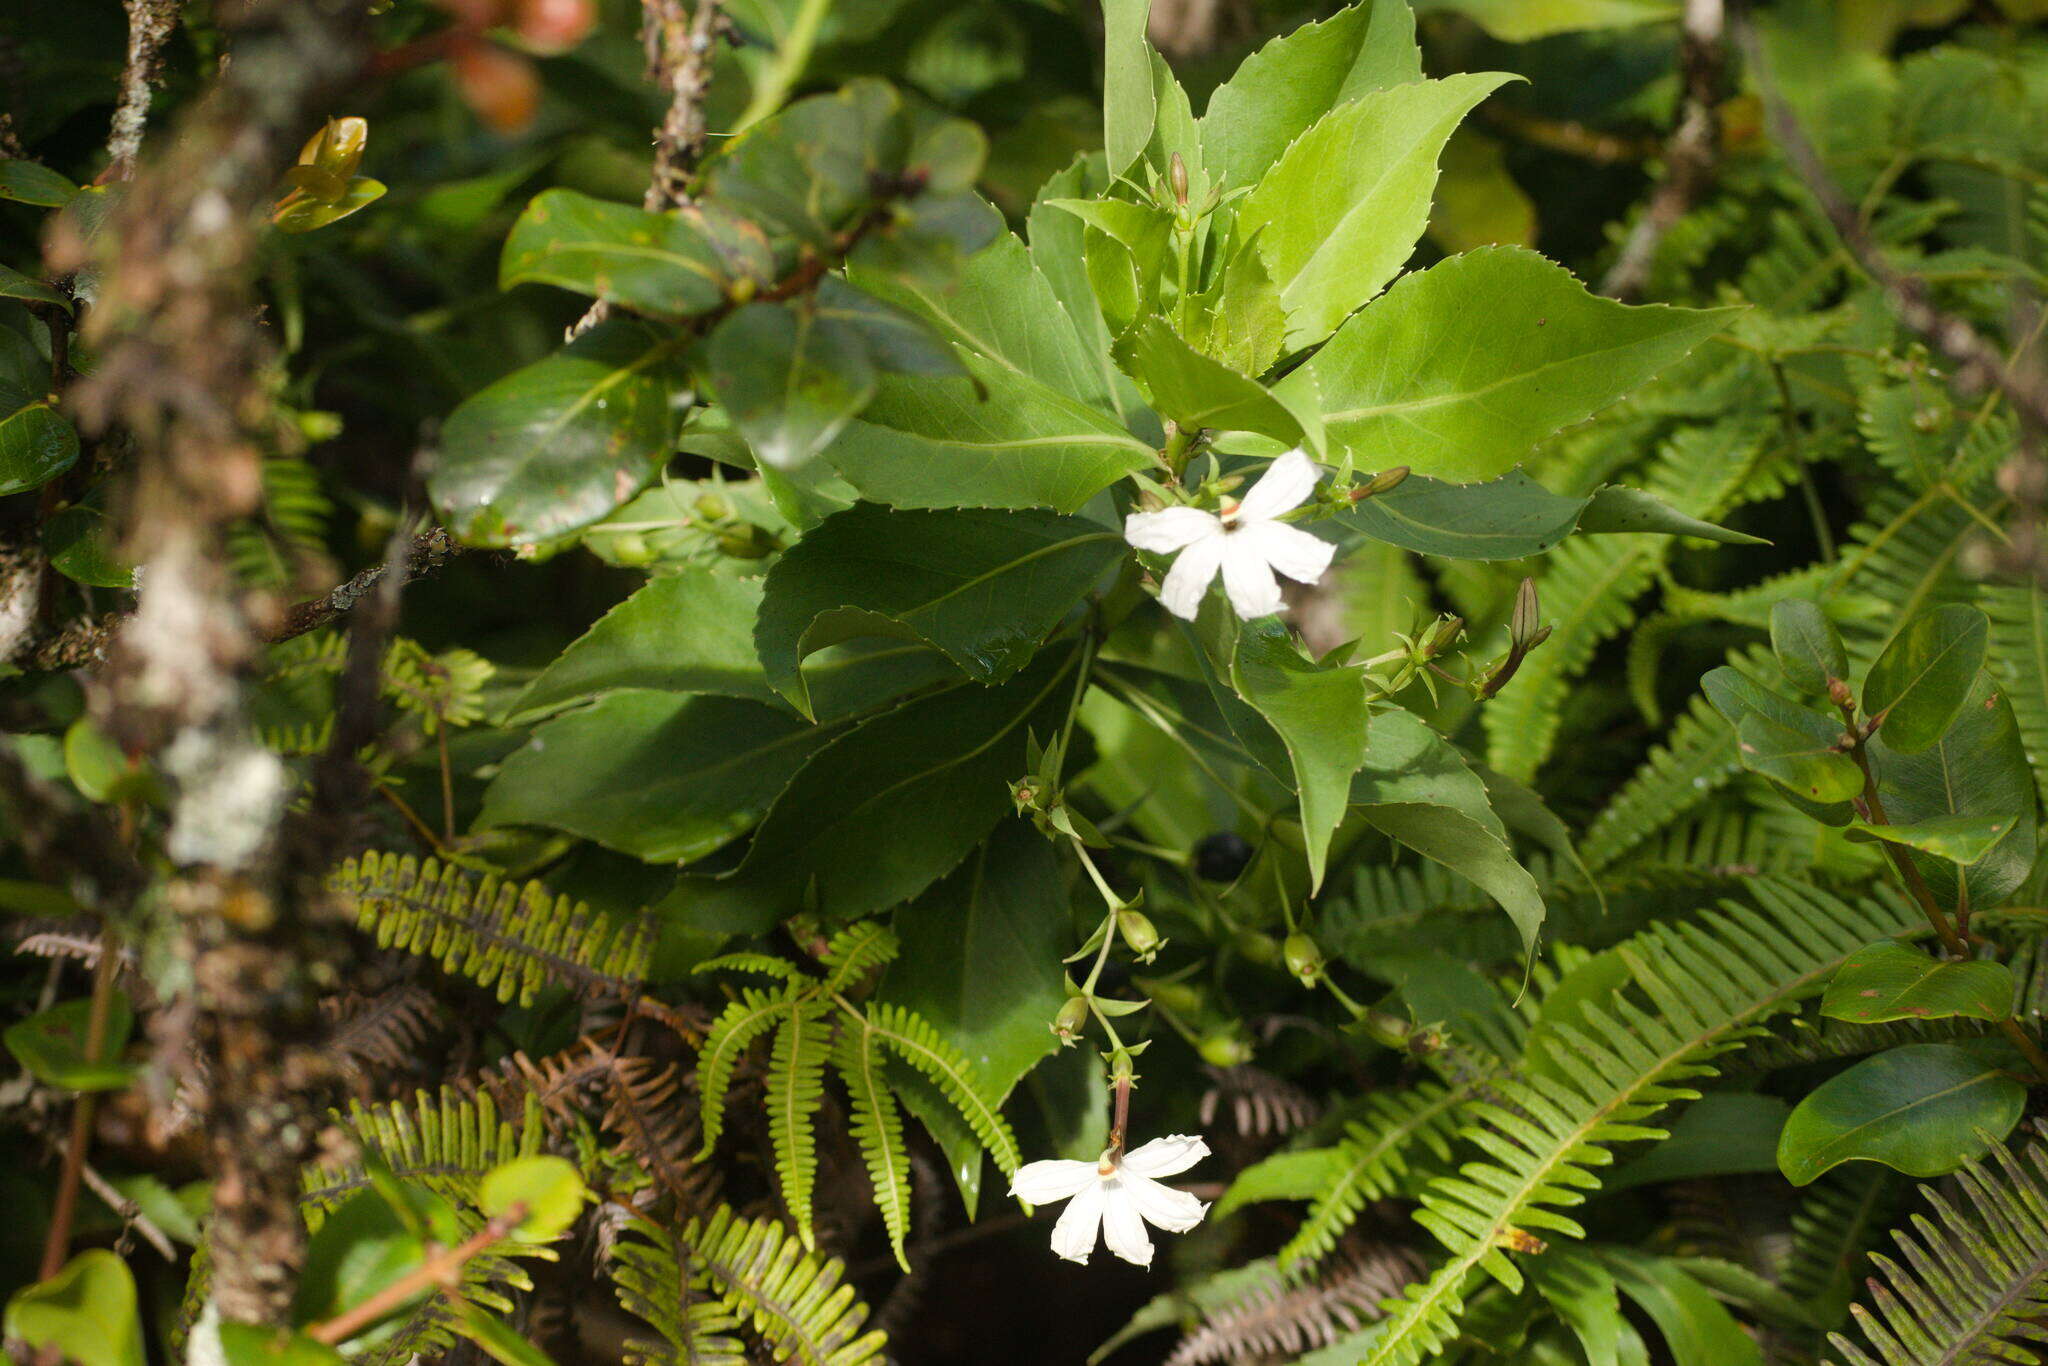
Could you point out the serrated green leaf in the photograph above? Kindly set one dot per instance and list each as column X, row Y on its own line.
column 1128, row 100
column 1894, row 981
column 982, row 587
column 1286, row 86
column 665, row 777
column 790, row 376
column 1341, row 210
column 1918, row 684
column 558, row 444
column 1924, row 1109
column 1462, row 368
column 674, row 264
column 1198, row 393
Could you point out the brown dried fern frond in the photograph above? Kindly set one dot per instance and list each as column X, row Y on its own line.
column 1279, row 1318
column 654, row 1114
column 1260, row 1104
column 387, row 1030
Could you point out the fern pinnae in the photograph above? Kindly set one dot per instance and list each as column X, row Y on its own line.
column 878, row 1129
column 515, row 937
column 798, row 1303
column 1974, row 1284
column 854, row 951
column 1377, row 1153
column 736, row 1028
column 912, row 1038
column 654, row 1274
column 796, row 1087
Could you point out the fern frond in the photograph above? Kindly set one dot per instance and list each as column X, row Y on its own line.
column 856, row 950
column 911, row 1037
column 1904, row 553
column 878, row 1129
column 656, row 1124
column 766, row 964
column 1974, row 1284
column 1377, row 1152
column 2019, row 658
column 796, row 1088
column 445, row 1142
column 659, row 1279
column 1277, row 1317
column 742, row 1022
column 1696, row 990
column 1260, row 1102
column 1834, row 1229
column 516, row 937
column 798, row 1303
column 389, row 1029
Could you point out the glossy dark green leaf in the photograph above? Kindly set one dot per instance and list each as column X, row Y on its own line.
column 51, row 1046
column 1459, row 370
column 1318, row 711
column 663, row 776
column 897, row 340
column 1737, row 697
column 1918, row 684
column 1633, row 511
column 809, row 172
column 1280, row 91
column 1808, row 647
column 15, row 285
column 1959, row 839
column 37, row 443
column 1812, row 766
column 1894, row 981
column 29, row 182
column 1723, row 1133
column 557, row 445
column 982, row 587
column 80, row 543
column 361, row 1247
column 1197, row 392
column 86, row 1313
column 687, row 631
column 674, row 264
column 981, row 951
column 888, row 809
column 250, row 1344
column 1977, row 770
column 791, row 378
column 1924, row 1109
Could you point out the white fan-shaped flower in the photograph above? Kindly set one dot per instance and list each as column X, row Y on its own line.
column 1247, row 544
column 1119, row 1196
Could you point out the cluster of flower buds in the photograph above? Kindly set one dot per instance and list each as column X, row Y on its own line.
column 502, row 86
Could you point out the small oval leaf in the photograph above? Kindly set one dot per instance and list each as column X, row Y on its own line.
column 1924, row 1110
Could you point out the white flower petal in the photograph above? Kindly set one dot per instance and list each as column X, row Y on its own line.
column 1175, row 1211
column 1073, row 1237
column 1286, row 485
column 1168, row 1156
column 1249, row 581
column 1123, row 1228
column 1042, row 1183
column 1290, row 550
column 1191, row 575
column 1169, row 529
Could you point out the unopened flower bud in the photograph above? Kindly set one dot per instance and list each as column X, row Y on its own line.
column 1225, row 1047
column 1177, row 172
column 1072, row 1019
column 1839, row 694
column 1444, row 636
column 713, row 506
column 1524, row 621
column 1386, row 481
column 1261, row 949
column 1304, row 958
column 1138, row 931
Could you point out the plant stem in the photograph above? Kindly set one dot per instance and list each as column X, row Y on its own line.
column 786, row 67
column 447, row 784
column 57, row 1246
column 439, row 1269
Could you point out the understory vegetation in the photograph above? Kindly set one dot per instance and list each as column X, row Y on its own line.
column 677, row 677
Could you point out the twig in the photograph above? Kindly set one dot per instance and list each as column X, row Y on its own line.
column 678, row 61
column 1979, row 365
column 86, row 644
column 1693, row 149
column 440, row 1269
column 130, row 1212
column 149, row 25
column 64, row 1209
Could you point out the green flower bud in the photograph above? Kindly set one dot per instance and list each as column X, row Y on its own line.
column 1072, row 1019
column 1225, row 1047
column 1261, row 949
column 1138, row 932
column 1304, row 958
column 714, row 507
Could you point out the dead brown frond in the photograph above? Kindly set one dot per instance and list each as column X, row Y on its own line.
column 1281, row 1319
column 654, row 1113
column 387, row 1030
column 1258, row 1103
